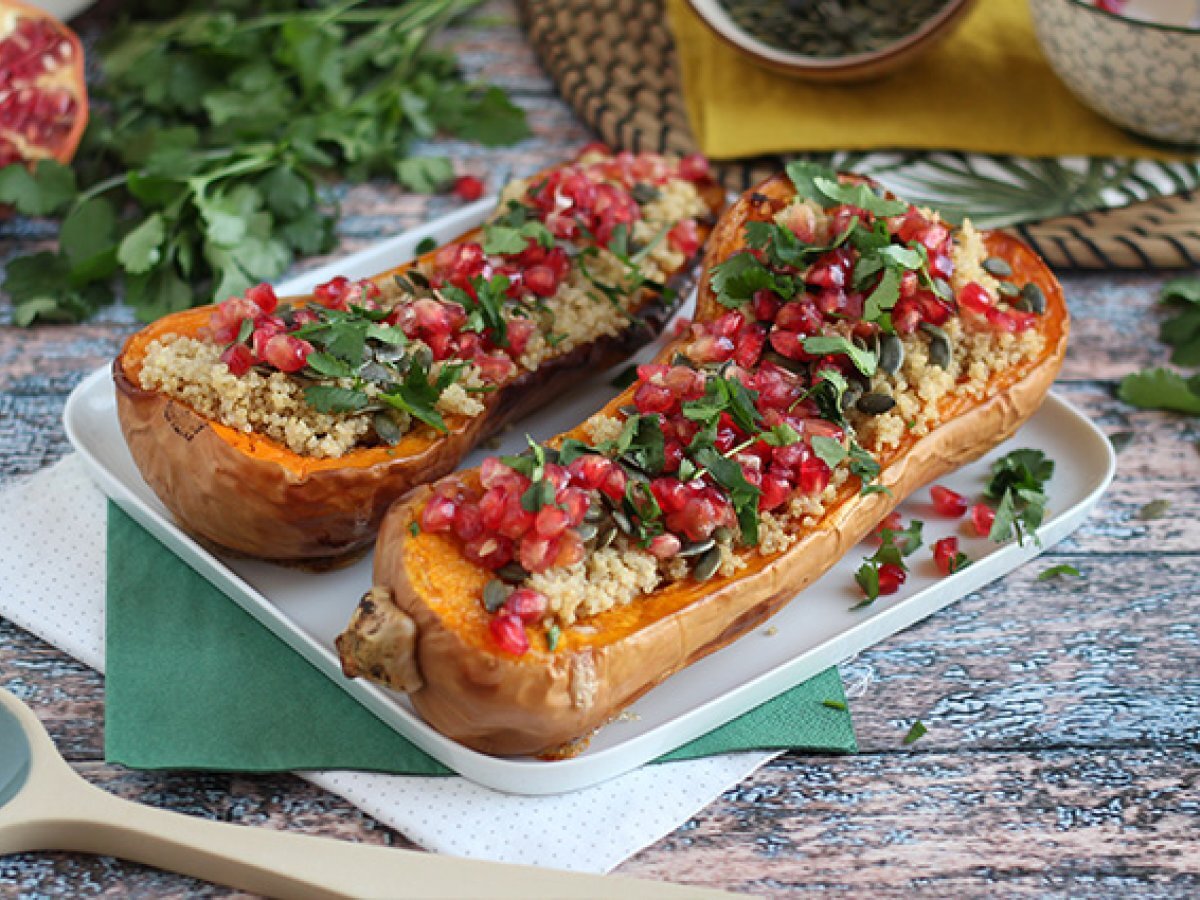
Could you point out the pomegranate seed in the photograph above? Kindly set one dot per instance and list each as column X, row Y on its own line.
column 653, row 398
column 286, row 353
column 526, row 604
column 982, row 517
column 684, row 237
column 541, row 281
column 802, row 316
column 517, row 520
column 551, row 522
column 891, row 576
column 468, row 187
column 975, row 299
column 945, row 555
column 693, row 167
column 891, row 522
column 468, row 521
column 238, row 358
column 765, row 305
column 491, row 551
column 332, row 292
column 519, row 332
column 438, row 515
column 948, row 502
column 614, row 484
column 775, row 490
column 814, row 475
column 263, row 296
column 595, row 147
column 570, row 549
column 509, row 634
column 789, row 343
column 574, row 503
column 665, row 546
column 537, row 554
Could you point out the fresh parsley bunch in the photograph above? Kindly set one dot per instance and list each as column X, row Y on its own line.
column 212, row 127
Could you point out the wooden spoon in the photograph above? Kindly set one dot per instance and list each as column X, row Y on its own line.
column 44, row 805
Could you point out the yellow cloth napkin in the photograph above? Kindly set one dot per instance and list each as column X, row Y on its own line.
column 986, row 88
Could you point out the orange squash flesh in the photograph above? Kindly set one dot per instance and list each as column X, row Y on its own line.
column 252, row 495
column 542, row 701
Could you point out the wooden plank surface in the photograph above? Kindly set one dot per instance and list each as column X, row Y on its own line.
column 1064, row 719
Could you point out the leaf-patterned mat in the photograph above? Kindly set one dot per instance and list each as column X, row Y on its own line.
column 614, row 63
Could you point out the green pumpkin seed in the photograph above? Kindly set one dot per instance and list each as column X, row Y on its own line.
column 607, row 535
column 724, row 534
column 942, row 288
column 423, row 357
column 495, row 592
column 629, row 409
column 940, row 349
column 1008, row 289
column 707, row 565
column 792, row 365
column 587, row 530
column 622, row 521
column 850, row 396
column 997, row 266
column 695, row 548
column 595, row 513
column 1034, row 298
column 387, row 429
column 513, row 573
column 874, row 404
column 891, row 353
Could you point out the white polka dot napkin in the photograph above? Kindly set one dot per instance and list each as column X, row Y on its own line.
column 59, row 596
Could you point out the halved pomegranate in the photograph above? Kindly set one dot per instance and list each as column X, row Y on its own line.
column 43, row 95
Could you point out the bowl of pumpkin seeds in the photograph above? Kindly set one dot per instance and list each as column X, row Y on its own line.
column 832, row 40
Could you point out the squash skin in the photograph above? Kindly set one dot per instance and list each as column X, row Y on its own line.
column 250, row 495
column 542, row 702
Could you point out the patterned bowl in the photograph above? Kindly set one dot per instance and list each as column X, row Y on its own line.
column 1144, row 76
column 846, row 69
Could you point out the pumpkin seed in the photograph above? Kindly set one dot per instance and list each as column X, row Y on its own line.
column 423, row 357
column 940, row 350
column 942, row 288
column 587, row 530
column 495, row 592
column 551, row 454
column 874, row 404
column 629, row 409
column 622, row 521
column 792, row 365
column 645, row 193
column 513, row 573
column 607, row 535
column 850, row 396
column 724, row 534
column 373, row 371
column 1034, row 298
column 707, row 565
column 695, row 548
column 891, row 353
column 1008, row 289
column 389, row 353
column 997, row 266
column 595, row 513
column 387, row 429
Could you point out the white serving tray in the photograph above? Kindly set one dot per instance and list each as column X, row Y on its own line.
column 817, row 630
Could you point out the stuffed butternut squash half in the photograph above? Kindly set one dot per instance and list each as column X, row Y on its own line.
column 284, row 428
column 847, row 348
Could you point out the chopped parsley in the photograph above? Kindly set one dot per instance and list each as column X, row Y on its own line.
column 1018, row 484
column 915, row 733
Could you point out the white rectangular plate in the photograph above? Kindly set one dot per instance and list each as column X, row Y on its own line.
column 818, row 630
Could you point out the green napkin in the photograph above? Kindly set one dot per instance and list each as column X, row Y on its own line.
column 194, row 682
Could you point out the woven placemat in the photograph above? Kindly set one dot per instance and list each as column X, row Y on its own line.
column 614, row 63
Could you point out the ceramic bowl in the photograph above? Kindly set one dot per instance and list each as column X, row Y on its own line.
column 837, row 69
column 1142, row 75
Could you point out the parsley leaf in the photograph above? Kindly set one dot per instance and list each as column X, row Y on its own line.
column 504, row 239
column 1018, row 483
column 329, row 398
column 38, row 193
column 1056, row 571
column 736, row 279
column 742, row 494
column 915, row 733
column 821, row 345
column 1161, row 389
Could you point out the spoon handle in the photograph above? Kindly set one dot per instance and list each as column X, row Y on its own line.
column 278, row 863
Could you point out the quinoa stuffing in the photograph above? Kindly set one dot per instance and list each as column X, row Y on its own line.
column 560, row 264
column 849, row 320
